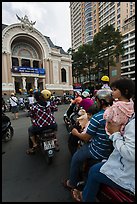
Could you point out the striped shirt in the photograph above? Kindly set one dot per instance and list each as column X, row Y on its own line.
column 100, row 146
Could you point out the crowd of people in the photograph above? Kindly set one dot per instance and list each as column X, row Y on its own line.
column 108, row 135
column 109, row 143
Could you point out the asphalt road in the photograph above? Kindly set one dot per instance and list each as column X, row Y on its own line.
column 28, row 178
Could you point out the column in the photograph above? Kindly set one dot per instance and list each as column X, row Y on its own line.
column 35, row 83
column 24, row 83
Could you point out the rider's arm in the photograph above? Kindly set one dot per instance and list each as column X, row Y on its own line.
column 83, row 136
column 124, row 144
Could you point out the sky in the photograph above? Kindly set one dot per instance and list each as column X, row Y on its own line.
column 52, row 19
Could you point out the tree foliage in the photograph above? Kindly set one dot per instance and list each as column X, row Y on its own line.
column 100, row 55
column 107, row 45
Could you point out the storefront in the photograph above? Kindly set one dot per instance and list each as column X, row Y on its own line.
column 30, row 60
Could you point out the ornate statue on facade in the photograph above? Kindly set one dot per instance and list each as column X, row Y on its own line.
column 25, row 23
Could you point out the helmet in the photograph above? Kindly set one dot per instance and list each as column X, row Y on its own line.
column 12, row 94
column 46, row 94
column 105, row 94
column 85, row 94
column 105, row 78
column 78, row 92
column 31, row 90
column 87, row 90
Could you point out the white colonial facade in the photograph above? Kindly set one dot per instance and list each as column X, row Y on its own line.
column 31, row 61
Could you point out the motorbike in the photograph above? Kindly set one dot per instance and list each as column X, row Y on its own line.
column 47, row 144
column 106, row 193
column 70, row 116
column 111, row 194
column 7, row 129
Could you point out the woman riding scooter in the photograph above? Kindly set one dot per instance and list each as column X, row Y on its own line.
column 41, row 118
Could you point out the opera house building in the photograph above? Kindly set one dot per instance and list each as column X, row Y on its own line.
column 30, row 60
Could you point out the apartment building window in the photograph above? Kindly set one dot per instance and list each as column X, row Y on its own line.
column 112, row 4
column 88, row 15
column 126, row 43
column 125, row 57
column 118, row 4
column 132, row 41
column 132, row 55
column 118, row 27
column 126, row 50
column 132, row 48
column 132, row 62
column 126, row 36
column 118, row 22
column 118, row 16
column 124, row 64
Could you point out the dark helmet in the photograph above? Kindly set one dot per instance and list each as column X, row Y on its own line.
column 105, row 95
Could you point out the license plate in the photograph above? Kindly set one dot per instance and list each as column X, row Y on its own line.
column 49, row 144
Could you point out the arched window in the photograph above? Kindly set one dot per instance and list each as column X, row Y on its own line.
column 63, row 75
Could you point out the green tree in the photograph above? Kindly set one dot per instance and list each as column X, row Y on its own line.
column 107, row 45
column 82, row 61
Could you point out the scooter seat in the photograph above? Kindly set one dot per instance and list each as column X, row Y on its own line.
column 47, row 131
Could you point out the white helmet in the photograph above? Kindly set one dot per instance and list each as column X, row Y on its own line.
column 104, row 94
column 85, row 94
column 78, row 92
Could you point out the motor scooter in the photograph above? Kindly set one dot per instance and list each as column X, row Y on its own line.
column 106, row 193
column 110, row 194
column 47, row 144
column 70, row 116
column 7, row 129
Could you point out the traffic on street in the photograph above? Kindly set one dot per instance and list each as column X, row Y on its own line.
column 29, row 178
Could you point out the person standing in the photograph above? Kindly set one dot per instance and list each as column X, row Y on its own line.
column 105, row 82
column 31, row 100
column 14, row 105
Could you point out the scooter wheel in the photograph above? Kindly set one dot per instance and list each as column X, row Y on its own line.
column 49, row 160
column 9, row 134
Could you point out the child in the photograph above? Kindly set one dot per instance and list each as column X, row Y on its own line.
column 73, row 141
column 123, row 106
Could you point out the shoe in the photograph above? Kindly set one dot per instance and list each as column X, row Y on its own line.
column 65, row 184
column 76, row 195
column 35, row 146
column 57, row 148
column 30, row 151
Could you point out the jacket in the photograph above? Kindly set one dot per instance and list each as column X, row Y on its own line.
column 120, row 166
